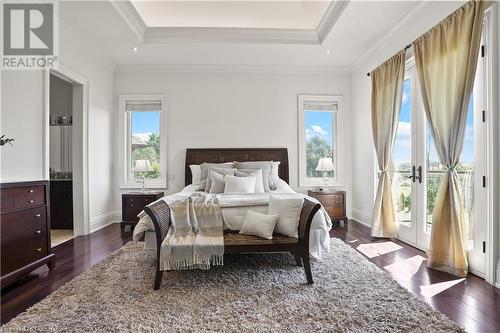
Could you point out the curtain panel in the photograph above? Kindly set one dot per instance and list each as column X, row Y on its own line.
column 446, row 59
column 387, row 92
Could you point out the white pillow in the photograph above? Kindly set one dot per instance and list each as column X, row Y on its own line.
column 260, row 225
column 195, row 174
column 217, row 183
column 289, row 213
column 239, row 184
column 266, row 167
column 275, row 173
column 259, row 183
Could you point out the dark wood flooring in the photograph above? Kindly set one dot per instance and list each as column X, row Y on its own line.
column 472, row 303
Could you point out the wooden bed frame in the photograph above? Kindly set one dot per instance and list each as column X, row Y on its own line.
column 234, row 242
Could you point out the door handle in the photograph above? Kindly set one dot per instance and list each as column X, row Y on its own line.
column 419, row 177
column 412, row 176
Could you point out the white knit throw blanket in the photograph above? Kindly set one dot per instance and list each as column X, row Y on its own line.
column 195, row 238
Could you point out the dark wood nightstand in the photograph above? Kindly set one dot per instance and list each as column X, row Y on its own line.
column 133, row 203
column 334, row 203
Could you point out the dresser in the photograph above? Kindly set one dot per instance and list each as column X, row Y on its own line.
column 25, row 229
column 334, row 203
column 133, row 203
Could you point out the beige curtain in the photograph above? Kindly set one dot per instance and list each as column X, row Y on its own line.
column 387, row 91
column 446, row 59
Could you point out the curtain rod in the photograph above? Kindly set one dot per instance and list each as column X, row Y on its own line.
column 406, row 48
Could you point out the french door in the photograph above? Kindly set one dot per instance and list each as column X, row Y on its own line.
column 417, row 172
column 409, row 167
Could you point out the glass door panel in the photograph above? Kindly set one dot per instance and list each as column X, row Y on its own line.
column 401, row 168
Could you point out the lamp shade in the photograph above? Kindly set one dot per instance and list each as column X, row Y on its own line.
column 143, row 166
column 325, row 164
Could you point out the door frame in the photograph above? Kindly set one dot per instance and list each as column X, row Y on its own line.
column 81, row 214
column 492, row 37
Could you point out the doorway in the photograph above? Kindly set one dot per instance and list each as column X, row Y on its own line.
column 79, row 144
column 417, row 171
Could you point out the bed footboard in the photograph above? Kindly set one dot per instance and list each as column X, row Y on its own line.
column 159, row 212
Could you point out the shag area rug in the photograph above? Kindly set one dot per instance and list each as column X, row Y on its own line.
column 250, row 293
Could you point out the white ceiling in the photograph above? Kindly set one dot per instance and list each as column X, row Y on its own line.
column 232, row 14
column 361, row 25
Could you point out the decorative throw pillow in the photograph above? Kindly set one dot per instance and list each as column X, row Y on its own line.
column 275, row 174
column 195, row 174
column 204, row 171
column 222, row 171
column 217, row 182
column 259, row 183
column 266, row 167
column 288, row 210
column 260, row 225
column 239, row 184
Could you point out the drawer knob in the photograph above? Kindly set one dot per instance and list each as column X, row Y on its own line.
column 131, row 205
column 30, row 191
column 37, row 215
column 31, row 201
column 131, row 199
column 39, row 249
column 38, row 232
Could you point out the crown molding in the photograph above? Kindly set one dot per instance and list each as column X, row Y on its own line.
column 228, row 35
column 207, row 68
column 152, row 35
column 131, row 17
column 386, row 40
column 328, row 21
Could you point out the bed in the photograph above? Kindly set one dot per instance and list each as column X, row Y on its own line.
column 232, row 209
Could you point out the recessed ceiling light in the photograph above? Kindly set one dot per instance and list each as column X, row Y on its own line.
column 135, row 49
column 328, row 51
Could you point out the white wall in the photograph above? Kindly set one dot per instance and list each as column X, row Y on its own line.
column 425, row 17
column 21, row 118
column 232, row 109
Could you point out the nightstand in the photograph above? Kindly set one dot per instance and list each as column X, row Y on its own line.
column 333, row 202
column 133, row 203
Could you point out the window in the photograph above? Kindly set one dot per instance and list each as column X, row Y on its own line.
column 143, row 138
column 319, row 138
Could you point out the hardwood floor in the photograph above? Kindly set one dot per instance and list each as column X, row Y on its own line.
column 72, row 258
column 470, row 302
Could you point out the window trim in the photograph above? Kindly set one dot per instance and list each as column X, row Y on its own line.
column 338, row 149
column 124, row 143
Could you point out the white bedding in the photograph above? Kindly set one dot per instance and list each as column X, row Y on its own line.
column 234, row 208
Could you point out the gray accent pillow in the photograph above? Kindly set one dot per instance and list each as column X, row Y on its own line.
column 204, row 171
column 221, row 171
column 266, row 167
column 218, row 182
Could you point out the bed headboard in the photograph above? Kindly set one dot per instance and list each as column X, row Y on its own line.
column 221, row 155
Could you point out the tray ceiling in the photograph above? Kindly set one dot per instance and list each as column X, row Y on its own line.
column 232, row 14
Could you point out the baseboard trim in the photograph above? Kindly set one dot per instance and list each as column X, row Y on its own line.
column 361, row 216
column 497, row 284
column 103, row 220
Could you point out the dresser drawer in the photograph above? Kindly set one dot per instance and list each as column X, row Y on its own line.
column 23, row 238
column 331, row 199
column 29, row 196
column 335, row 212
